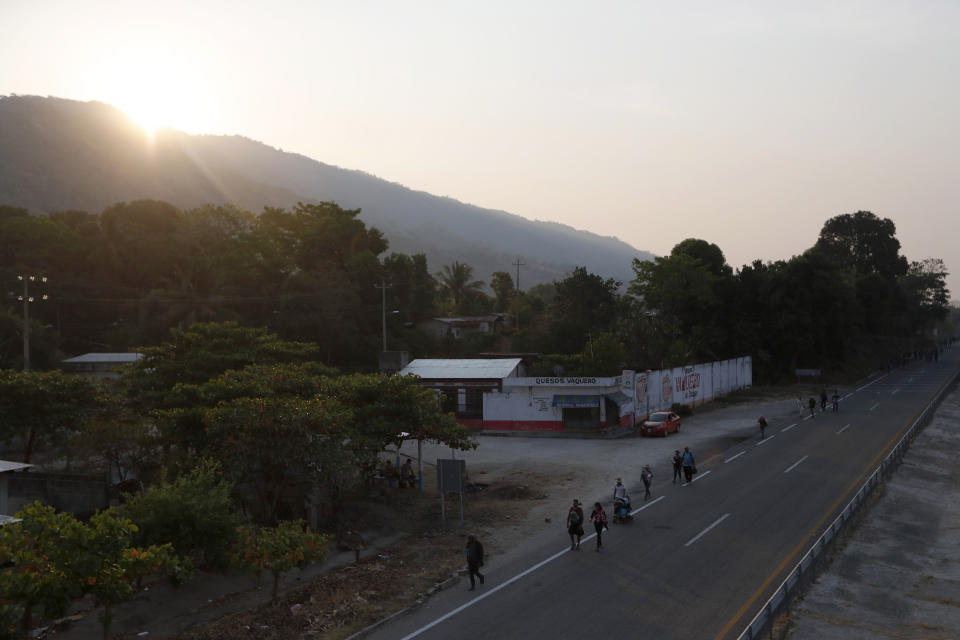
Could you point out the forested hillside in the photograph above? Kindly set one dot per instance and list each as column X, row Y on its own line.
column 58, row 155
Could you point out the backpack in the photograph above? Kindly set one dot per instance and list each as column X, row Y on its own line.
column 573, row 518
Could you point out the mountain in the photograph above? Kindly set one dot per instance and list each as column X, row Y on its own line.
column 58, row 154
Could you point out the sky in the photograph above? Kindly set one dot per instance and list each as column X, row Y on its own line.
column 746, row 124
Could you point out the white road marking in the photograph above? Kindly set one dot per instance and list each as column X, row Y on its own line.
column 734, row 457
column 704, row 532
column 874, row 406
column 502, row 585
column 909, row 380
column 848, row 395
column 844, row 429
column 894, row 392
column 874, row 382
column 700, row 475
column 788, row 428
column 649, row 504
column 795, row 464
column 765, row 440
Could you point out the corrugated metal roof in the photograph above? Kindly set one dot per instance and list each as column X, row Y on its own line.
column 105, row 357
column 9, row 465
column 4, row 520
column 462, row 368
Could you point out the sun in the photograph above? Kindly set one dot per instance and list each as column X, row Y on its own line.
column 148, row 114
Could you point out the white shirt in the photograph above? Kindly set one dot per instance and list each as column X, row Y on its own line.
column 619, row 491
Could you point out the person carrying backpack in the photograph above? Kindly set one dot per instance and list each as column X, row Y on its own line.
column 575, row 524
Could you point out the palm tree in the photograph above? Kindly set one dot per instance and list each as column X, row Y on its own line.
column 455, row 280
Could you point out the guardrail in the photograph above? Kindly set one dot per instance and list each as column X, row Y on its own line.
column 805, row 571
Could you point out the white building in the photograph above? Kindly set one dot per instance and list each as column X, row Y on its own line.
column 495, row 394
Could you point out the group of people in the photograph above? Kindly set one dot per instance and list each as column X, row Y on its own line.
column 811, row 404
column 682, row 463
column 405, row 477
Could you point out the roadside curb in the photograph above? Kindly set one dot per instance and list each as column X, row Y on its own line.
column 420, row 601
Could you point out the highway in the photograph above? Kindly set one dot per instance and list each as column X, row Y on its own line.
column 701, row 559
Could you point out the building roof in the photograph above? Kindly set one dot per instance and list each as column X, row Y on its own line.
column 462, row 368
column 469, row 320
column 104, row 357
column 9, row 465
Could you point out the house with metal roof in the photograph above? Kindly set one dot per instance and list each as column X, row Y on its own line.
column 98, row 365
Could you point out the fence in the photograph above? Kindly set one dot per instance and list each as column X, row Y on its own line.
column 77, row 494
column 805, row 571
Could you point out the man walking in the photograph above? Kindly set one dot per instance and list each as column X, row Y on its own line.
column 689, row 464
column 763, row 427
column 647, row 476
column 836, row 401
column 474, row 552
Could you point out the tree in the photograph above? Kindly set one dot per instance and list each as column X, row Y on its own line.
column 502, row 285
column 279, row 549
column 585, row 304
column 272, row 446
column 457, row 284
column 45, row 407
column 864, row 242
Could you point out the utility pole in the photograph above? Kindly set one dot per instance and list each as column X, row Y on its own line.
column 383, row 286
column 26, row 298
column 518, row 264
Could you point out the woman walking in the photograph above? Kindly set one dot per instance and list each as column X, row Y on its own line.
column 677, row 460
column 575, row 524
column 599, row 518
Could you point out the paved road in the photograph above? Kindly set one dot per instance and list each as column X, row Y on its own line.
column 699, row 561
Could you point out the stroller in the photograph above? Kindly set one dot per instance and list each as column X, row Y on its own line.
column 621, row 510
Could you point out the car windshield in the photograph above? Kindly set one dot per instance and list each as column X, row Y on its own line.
column 659, row 417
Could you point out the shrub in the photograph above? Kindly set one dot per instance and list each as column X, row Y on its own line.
column 195, row 513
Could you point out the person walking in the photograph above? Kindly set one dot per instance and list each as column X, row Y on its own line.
column 647, row 476
column 836, row 401
column 812, row 403
column 619, row 491
column 599, row 518
column 800, row 405
column 677, row 461
column 689, row 464
column 575, row 524
column 763, row 427
column 474, row 552
column 823, row 401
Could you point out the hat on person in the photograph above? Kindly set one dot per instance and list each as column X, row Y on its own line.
column 619, row 479
column 471, row 536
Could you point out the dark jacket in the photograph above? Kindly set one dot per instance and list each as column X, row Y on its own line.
column 474, row 552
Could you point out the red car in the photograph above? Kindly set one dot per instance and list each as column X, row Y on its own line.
column 660, row 424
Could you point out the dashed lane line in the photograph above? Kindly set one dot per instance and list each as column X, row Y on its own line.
column 788, row 428
column 843, row 429
column 795, row 464
column 874, row 407
column 765, row 440
column 734, row 457
column 705, row 531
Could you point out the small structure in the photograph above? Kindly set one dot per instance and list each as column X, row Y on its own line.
column 459, row 327
column 98, row 365
column 6, row 468
column 463, row 382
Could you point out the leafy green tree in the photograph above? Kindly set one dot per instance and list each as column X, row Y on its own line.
column 279, row 549
column 605, row 355
column 43, row 408
column 275, row 446
column 864, row 242
column 585, row 304
column 35, row 553
column 456, row 282
column 194, row 512
column 139, row 235
column 502, row 285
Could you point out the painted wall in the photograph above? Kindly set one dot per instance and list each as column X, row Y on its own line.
column 690, row 386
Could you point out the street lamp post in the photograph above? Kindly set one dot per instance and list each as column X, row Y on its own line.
column 26, row 298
